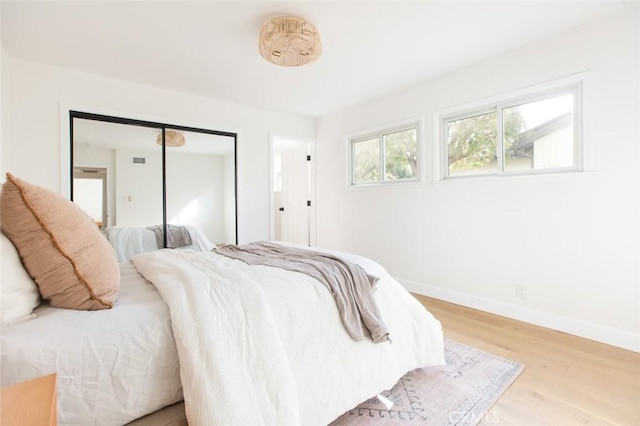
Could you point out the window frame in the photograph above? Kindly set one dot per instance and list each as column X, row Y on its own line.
column 574, row 86
column 379, row 135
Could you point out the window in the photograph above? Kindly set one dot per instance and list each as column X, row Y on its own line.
column 532, row 133
column 390, row 155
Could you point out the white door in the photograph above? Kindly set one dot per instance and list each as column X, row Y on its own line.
column 291, row 194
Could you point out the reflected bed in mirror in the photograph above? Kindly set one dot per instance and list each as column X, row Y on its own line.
column 137, row 174
column 129, row 241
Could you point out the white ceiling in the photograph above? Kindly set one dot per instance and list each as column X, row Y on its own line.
column 211, row 48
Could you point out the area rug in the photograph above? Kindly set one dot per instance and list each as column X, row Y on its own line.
column 458, row 393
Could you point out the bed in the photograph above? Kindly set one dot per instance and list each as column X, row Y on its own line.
column 239, row 343
column 128, row 241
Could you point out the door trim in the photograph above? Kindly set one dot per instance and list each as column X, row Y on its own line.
column 312, row 186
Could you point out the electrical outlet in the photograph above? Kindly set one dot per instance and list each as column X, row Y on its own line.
column 521, row 291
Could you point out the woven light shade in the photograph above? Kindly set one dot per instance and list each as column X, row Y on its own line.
column 172, row 138
column 289, row 41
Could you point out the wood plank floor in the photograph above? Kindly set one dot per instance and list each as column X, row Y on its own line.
column 567, row 381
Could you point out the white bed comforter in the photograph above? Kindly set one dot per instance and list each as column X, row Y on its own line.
column 262, row 346
column 112, row 365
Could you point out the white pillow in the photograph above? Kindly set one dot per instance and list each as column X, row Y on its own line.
column 19, row 294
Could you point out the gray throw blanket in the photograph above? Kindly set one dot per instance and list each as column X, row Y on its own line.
column 351, row 287
column 177, row 236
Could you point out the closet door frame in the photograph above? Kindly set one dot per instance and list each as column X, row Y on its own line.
column 163, row 127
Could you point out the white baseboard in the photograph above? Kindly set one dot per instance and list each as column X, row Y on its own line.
column 611, row 336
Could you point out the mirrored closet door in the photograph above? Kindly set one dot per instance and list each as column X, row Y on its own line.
column 132, row 174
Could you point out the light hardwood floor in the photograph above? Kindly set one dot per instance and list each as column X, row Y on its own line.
column 567, row 381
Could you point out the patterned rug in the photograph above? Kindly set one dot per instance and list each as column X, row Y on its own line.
column 458, row 393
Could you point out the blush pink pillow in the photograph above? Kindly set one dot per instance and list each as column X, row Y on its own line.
column 73, row 264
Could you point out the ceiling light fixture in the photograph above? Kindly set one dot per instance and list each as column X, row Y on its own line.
column 289, row 41
column 172, row 138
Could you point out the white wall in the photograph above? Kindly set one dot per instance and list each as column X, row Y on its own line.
column 2, row 97
column 3, row 109
column 571, row 240
column 32, row 148
column 229, row 198
column 138, row 188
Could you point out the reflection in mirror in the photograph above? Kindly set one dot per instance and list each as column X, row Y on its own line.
column 200, row 182
column 133, row 168
column 199, row 175
column 90, row 193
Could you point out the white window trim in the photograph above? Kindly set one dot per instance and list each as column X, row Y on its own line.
column 415, row 122
column 583, row 152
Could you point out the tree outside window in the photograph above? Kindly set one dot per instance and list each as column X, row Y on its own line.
column 536, row 135
column 387, row 156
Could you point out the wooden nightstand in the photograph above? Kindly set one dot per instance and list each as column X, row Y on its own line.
column 31, row 403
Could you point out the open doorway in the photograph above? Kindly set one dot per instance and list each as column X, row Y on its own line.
column 90, row 193
column 291, row 191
